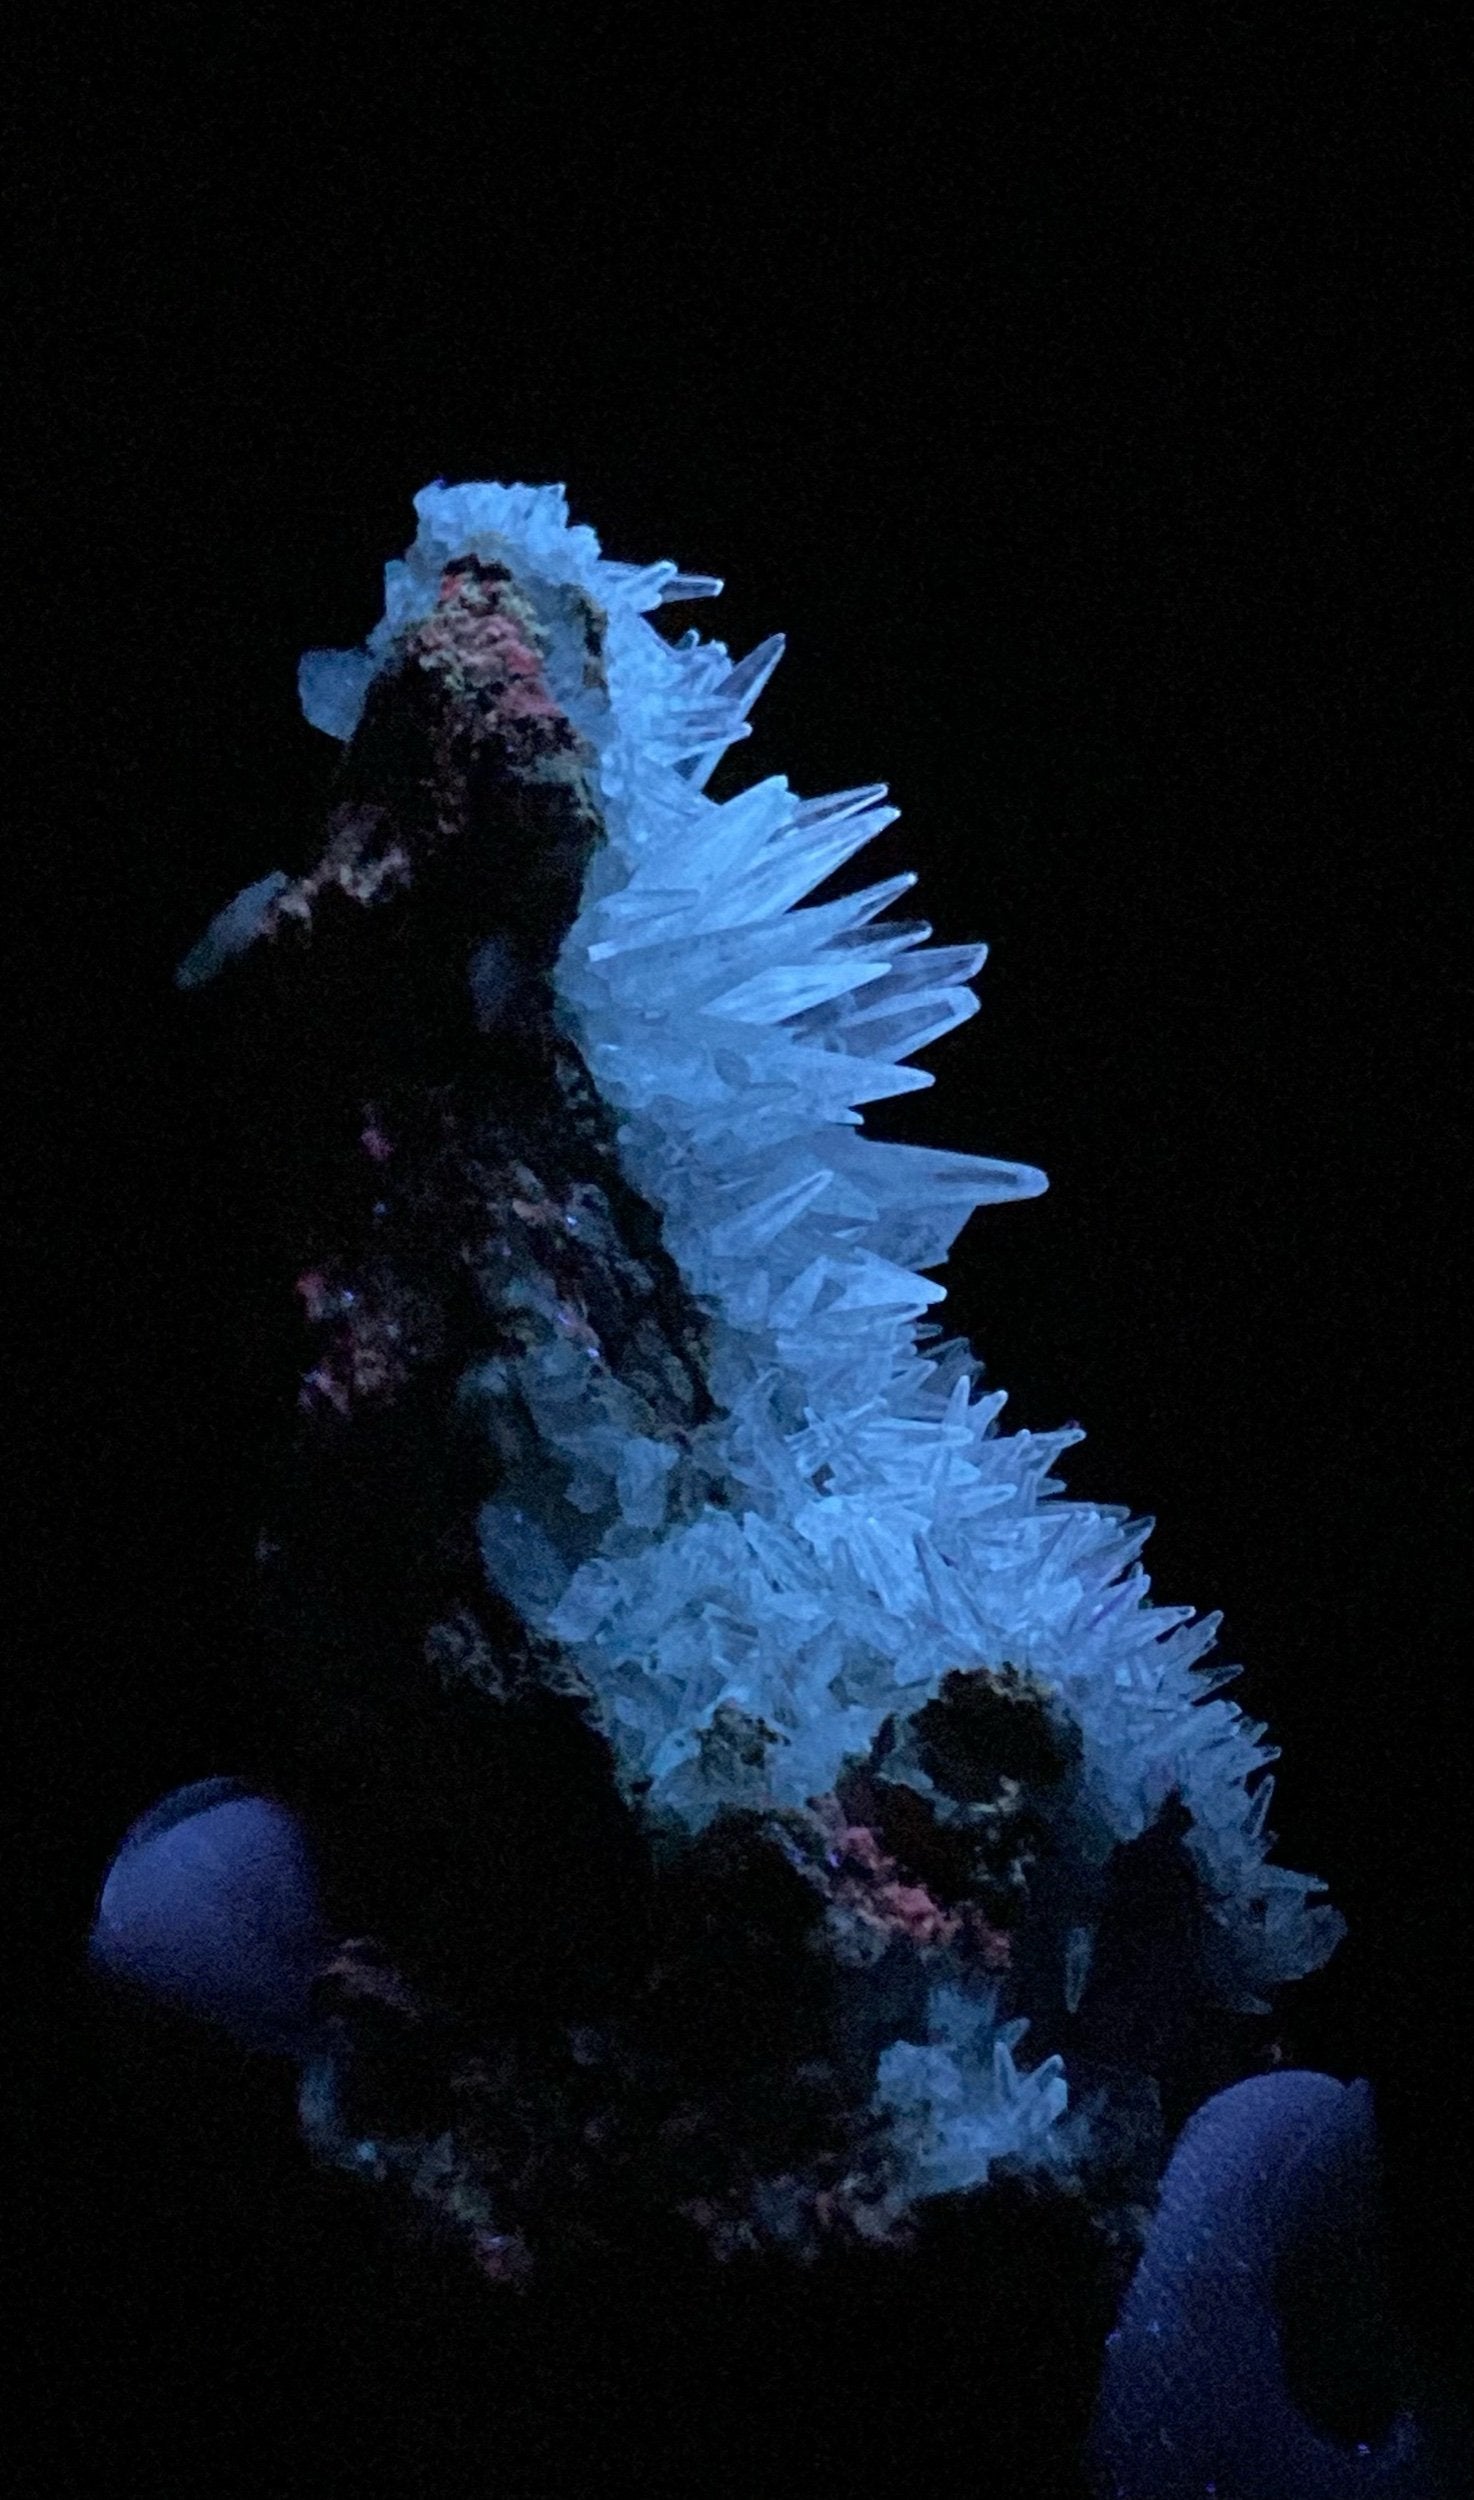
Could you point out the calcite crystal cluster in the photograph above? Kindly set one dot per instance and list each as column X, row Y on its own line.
column 776, row 1804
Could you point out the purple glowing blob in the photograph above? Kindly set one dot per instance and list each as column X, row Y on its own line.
column 211, row 1908
column 1266, row 2215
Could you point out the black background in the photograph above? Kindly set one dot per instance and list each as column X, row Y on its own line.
column 1079, row 401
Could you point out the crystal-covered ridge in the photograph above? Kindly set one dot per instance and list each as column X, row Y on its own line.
column 866, row 1526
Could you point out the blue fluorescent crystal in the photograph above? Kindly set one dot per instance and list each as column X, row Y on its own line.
column 880, row 1527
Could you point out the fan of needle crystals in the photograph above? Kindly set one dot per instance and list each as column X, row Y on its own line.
column 780, row 1804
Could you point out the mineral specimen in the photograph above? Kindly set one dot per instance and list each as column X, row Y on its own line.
column 773, row 1795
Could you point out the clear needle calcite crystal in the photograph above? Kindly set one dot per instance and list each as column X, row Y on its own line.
column 776, row 1804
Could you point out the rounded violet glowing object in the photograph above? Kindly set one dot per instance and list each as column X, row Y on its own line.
column 1252, row 2359
column 211, row 1907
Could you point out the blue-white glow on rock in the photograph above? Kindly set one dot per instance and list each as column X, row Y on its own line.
column 876, row 1527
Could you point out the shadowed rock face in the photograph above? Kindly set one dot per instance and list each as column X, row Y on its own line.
column 433, row 1179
